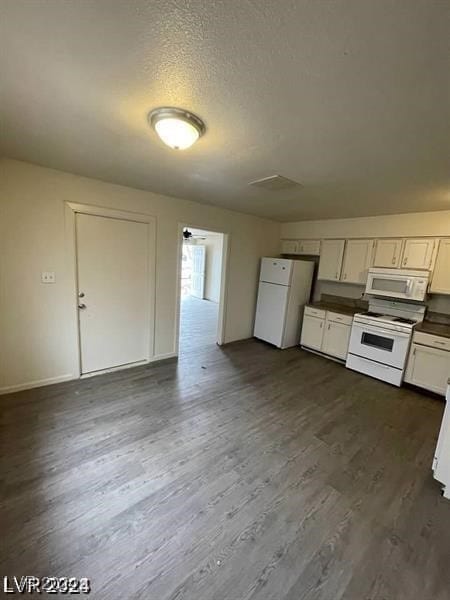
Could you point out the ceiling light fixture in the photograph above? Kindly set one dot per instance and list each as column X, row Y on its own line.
column 177, row 128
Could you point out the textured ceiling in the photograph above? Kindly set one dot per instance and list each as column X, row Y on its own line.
column 348, row 97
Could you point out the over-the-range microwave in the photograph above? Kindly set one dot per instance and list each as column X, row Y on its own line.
column 398, row 283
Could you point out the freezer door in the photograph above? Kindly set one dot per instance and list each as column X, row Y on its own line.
column 271, row 313
column 276, row 270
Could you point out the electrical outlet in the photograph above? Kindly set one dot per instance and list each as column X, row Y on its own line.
column 48, row 277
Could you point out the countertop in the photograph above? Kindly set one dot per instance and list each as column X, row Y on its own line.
column 433, row 328
column 335, row 307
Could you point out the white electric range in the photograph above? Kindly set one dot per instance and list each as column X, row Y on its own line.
column 380, row 339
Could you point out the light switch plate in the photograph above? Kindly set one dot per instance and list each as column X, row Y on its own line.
column 48, row 277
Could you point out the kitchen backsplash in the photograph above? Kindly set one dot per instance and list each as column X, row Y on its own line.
column 437, row 317
column 352, row 302
column 438, row 306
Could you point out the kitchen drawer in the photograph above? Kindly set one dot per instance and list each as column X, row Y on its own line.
column 315, row 312
column 339, row 318
column 434, row 341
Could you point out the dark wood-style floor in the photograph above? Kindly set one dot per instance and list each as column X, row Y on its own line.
column 198, row 324
column 235, row 474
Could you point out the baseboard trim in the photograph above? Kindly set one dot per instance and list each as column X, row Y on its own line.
column 141, row 363
column 229, row 342
column 29, row 385
column 323, row 355
column 161, row 357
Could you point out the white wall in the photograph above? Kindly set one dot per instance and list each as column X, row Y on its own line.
column 433, row 224
column 37, row 326
column 214, row 245
column 405, row 225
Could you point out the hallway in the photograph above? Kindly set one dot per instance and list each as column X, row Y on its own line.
column 198, row 326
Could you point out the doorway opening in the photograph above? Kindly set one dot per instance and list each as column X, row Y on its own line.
column 202, row 276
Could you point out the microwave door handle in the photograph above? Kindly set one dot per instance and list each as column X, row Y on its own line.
column 408, row 287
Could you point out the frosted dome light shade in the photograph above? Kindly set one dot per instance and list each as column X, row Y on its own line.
column 178, row 128
column 177, row 133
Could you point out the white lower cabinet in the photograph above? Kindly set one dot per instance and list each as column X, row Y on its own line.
column 428, row 366
column 312, row 332
column 326, row 331
column 335, row 339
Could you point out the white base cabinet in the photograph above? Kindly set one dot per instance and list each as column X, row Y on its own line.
column 336, row 338
column 312, row 332
column 326, row 331
column 429, row 362
column 441, row 462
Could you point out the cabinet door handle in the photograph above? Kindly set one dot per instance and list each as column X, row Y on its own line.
column 405, row 260
column 394, row 260
column 328, row 326
column 321, row 325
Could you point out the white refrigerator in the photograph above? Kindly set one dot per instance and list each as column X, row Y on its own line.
column 284, row 289
column 441, row 462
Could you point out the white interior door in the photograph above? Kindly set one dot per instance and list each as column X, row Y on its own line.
column 198, row 271
column 113, row 289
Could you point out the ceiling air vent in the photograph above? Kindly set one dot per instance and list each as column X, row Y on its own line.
column 275, row 183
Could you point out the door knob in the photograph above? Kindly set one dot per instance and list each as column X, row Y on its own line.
column 82, row 306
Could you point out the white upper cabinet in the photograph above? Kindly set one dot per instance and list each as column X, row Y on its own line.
column 357, row 259
column 311, row 247
column 289, row 246
column 331, row 255
column 388, row 253
column 440, row 284
column 418, row 253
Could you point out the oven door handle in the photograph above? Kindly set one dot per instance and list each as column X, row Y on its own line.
column 379, row 365
column 380, row 331
column 409, row 284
